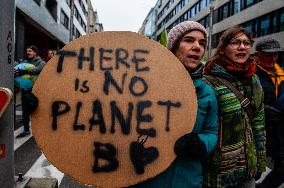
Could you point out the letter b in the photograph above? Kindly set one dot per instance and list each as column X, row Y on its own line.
column 107, row 152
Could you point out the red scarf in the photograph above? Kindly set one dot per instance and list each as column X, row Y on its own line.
column 245, row 70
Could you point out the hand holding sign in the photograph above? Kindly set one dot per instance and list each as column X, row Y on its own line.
column 100, row 95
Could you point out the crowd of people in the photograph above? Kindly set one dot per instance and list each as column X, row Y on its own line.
column 229, row 148
column 239, row 122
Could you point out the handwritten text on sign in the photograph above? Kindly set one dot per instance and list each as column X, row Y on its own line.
column 111, row 105
column 121, row 58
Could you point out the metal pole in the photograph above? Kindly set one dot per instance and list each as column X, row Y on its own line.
column 71, row 20
column 210, row 28
column 7, row 49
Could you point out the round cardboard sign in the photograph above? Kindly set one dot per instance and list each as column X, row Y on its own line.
column 111, row 106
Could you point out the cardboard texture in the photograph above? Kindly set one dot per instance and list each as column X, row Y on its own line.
column 112, row 87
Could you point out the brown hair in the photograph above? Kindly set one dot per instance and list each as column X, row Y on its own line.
column 224, row 41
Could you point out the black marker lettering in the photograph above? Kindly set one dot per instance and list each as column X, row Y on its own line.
column 103, row 58
column 97, row 118
column 124, row 123
column 121, row 56
column 82, row 58
column 135, row 80
column 108, row 153
column 85, row 88
column 57, row 110
column 92, row 55
column 62, row 54
column 110, row 80
column 76, row 126
column 144, row 118
column 169, row 104
column 77, row 81
column 137, row 60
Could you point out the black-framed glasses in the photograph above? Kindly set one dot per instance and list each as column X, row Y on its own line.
column 236, row 43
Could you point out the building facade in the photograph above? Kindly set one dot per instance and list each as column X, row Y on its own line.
column 48, row 24
column 148, row 27
column 261, row 17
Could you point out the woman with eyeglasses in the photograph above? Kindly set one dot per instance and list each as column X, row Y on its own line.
column 239, row 157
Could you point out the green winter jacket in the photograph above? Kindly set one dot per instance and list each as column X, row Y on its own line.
column 187, row 172
column 240, row 151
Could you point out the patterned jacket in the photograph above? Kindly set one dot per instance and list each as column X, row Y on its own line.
column 187, row 172
column 240, row 151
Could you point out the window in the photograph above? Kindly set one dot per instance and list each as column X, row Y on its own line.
column 51, row 6
column 281, row 21
column 192, row 12
column 185, row 16
column 247, row 3
column 264, row 26
column 188, row 14
column 274, row 26
column 37, row 2
column 80, row 20
column 64, row 19
column 215, row 16
column 197, row 8
column 178, row 8
column 249, row 26
column 77, row 34
column 208, row 1
column 202, row 4
column 182, row 3
column 224, row 12
column 214, row 41
column 84, row 27
column 235, row 5
column 68, row 2
column 81, row 3
column 76, row 13
column 206, row 21
column 73, row 30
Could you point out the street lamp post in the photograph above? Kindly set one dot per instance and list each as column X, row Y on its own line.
column 211, row 11
column 71, row 20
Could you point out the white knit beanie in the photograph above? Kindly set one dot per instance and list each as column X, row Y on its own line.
column 181, row 29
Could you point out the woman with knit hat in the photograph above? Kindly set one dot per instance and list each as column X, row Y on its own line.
column 187, row 41
column 240, row 156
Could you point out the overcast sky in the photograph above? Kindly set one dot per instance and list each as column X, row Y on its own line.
column 122, row 15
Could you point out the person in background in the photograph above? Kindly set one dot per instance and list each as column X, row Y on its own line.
column 188, row 41
column 239, row 157
column 50, row 54
column 271, row 77
column 26, row 98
